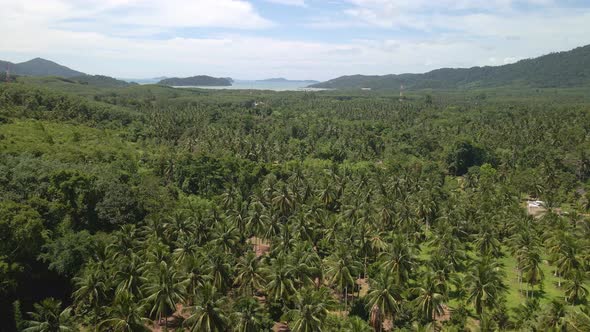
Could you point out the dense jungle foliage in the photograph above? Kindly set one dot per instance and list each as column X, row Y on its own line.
column 147, row 208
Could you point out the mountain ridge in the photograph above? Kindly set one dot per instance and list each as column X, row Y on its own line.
column 39, row 67
column 559, row 69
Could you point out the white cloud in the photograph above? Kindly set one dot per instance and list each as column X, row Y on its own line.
column 415, row 13
column 147, row 13
column 299, row 3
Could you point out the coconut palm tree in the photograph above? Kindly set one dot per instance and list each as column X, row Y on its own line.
column 186, row 247
column 283, row 200
column 553, row 318
column 164, row 289
column 195, row 275
column 280, row 285
column 249, row 316
column 341, row 269
column 398, row 259
column 383, row 299
column 531, row 268
column 484, row 282
column 311, row 310
column 257, row 219
column 526, row 313
column 250, row 276
column 208, row 314
column 127, row 315
column 487, row 241
column 130, row 276
column 575, row 289
column 357, row 324
column 430, row 297
column 90, row 290
column 226, row 237
column 49, row 317
column 219, row 268
column 578, row 320
column 126, row 240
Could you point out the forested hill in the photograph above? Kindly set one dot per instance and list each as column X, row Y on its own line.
column 100, row 80
column 563, row 69
column 200, row 80
column 39, row 67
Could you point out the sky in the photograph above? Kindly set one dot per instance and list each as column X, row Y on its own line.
column 297, row 39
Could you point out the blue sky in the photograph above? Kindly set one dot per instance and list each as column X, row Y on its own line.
column 298, row 39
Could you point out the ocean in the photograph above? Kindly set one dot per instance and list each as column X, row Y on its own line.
column 262, row 85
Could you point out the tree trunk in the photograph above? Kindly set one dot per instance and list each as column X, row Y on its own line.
column 346, row 297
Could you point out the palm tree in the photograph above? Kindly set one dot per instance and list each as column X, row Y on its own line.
column 90, row 290
column 186, row 247
column 487, row 241
column 575, row 289
column 430, row 297
column 195, row 275
column 341, row 269
column 125, row 241
column 280, row 285
column 208, row 314
column 357, row 324
column 257, row 219
column 568, row 258
column 527, row 313
column 521, row 243
column 553, row 318
column 531, row 268
column 383, row 299
column 578, row 320
column 283, row 200
column 219, row 269
column 249, row 316
column 48, row 317
column 130, row 277
column 563, row 250
column 177, row 225
column 484, row 283
column 238, row 219
column 127, row 315
column 399, row 259
column 250, row 276
column 311, row 310
column 165, row 288
column 306, row 265
column 226, row 237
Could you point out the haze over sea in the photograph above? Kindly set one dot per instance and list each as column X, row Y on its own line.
column 262, row 85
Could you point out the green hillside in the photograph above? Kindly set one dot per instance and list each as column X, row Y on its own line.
column 39, row 67
column 555, row 70
column 200, row 80
column 101, row 80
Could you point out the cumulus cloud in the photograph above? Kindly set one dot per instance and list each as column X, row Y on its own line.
column 132, row 38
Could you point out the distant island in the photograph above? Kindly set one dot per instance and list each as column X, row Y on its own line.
column 284, row 80
column 200, row 80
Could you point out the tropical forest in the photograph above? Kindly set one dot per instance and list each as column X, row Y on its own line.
column 153, row 208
